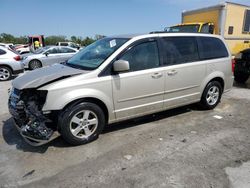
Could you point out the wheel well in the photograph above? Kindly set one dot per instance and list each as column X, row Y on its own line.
column 35, row 60
column 92, row 100
column 220, row 80
column 3, row 65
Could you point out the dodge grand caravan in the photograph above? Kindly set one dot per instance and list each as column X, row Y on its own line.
column 118, row 78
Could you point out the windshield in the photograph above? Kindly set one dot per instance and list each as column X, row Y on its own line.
column 95, row 54
column 184, row 29
column 41, row 50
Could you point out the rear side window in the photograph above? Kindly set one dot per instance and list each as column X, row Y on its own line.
column 2, row 52
column 66, row 50
column 178, row 50
column 64, row 44
column 211, row 48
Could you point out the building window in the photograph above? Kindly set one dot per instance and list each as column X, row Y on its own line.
column 246, row 27
column 230, row 30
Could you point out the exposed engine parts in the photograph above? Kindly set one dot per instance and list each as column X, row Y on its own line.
column 27, row 112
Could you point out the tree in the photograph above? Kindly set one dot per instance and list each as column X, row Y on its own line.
column 87, row 41
column 7, row 38
column 73, row 38
column 97, row 36
column 52, row 40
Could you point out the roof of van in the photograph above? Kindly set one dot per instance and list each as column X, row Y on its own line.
column 162, row 33
column 128, row 36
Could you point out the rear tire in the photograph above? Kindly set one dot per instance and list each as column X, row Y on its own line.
column 81, row 123
column 241, row 77
column 35, row 64
column 5, row 73
column 211, row 95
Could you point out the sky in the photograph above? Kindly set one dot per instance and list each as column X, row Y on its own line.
column 89, row 17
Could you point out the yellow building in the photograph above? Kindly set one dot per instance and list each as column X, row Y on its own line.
column 228, row 19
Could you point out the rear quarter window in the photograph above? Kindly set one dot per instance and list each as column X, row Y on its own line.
column 211, row 48
column 2, row 52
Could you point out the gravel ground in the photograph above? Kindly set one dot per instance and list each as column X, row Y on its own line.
column 184, row 147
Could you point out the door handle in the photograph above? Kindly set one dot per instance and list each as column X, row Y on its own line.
column 157, row 75
column 172, row 72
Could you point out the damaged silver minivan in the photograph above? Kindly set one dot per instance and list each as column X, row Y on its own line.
column 118, row 78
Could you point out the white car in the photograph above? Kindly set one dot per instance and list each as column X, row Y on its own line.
column 47, row 56
column 69, row 44
column 7, row 45
column 10, row 63
column 22, row 49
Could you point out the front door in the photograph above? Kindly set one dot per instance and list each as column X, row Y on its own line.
column 139, row 91
column 51, row 56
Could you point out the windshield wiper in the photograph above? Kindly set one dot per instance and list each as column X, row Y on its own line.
column 75, row 66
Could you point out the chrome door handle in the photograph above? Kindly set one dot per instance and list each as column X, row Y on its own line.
column 172, row 72
column 157, row 75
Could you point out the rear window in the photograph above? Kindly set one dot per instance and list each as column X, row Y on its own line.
column 2, row 52
column 211, row 48
column 64, row 44
column 179, row 50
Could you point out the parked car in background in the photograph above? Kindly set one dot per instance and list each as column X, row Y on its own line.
column 8, row 45
column 242, row 66
column 119, row 78
column 10, row 63
column 47, row 56
column 70, row 44
column 22, row 48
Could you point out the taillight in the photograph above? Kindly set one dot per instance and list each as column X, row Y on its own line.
column 233, row 64
column 17, row 58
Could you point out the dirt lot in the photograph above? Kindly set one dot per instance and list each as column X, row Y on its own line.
column 184, row 147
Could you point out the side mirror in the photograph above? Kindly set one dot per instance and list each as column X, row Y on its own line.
column 46, row 53
column 121, row 66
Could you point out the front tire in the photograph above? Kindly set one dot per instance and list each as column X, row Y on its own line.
column 5, row 73
column 81, row 123
column 35, row 64
column 211, row 95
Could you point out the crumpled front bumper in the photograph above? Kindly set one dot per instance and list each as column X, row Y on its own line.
column 34, row 141
column 18, row 113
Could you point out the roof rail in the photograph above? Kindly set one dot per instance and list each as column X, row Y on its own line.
column 153, row 32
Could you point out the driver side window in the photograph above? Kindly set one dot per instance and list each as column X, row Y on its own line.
column 142, row 56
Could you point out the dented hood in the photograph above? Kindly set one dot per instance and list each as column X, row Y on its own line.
column 44, row 75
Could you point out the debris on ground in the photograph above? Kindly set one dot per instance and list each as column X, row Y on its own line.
column 184, row 140
column 29, row 173
column 128, row 157
column 217, row 117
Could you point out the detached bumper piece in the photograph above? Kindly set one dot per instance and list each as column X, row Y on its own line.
column 30, row 121
column 32, row 137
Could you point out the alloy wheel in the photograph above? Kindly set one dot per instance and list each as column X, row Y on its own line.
column 4, row 73
column 213, row 95
column 83, row 124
